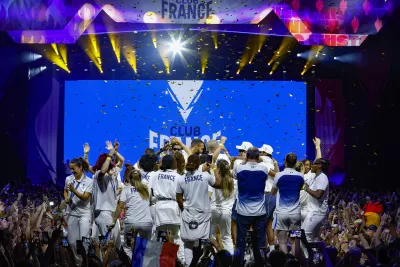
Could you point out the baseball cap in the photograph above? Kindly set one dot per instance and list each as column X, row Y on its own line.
column 267, row 149
column 244, row 146
column 373, row 228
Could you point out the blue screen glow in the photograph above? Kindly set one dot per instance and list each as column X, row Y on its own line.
column 141, row 114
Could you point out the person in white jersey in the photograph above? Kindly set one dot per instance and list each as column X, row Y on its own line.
column 318, row 189
column 221, row 205
column 251, row 178
column 308, row 176
column 106, row 189
column 163, row 185
column 287, row 186
column 196, row 215
column 77, row 192
column 136, row 199
column 270, row 200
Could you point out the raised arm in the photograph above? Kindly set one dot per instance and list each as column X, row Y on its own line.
column 317, row 143
column 219, row 148
column 106, row 164
column 86, row 150
column 175, row 140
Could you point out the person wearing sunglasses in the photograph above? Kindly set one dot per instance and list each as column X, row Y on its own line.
column 318, row 189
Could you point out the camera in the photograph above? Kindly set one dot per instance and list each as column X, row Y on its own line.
column 162, row 236
column 205, row 242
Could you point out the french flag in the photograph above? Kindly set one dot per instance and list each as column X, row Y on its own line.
column 153, row 253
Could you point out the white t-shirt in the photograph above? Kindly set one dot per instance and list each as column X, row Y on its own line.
column 194, row 187
column 219, row 202
column 319, row 206
column 79, row 207
column 289, row 183
column 163, row 184
column 137, row 209
column 304, row 196
column 251, row 179
column 270, row 180
column 106, row 190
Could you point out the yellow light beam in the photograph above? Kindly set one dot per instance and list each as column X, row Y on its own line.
column 55, row 48
column 56, row 59
column 214, row 36
column 204, row 59
column 154, row 38
column 63, row 53
column 129, row 53
column 115, row 43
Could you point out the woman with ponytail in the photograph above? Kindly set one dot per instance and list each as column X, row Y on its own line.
column 136, row 199
column 77, row 192
column 221, row 206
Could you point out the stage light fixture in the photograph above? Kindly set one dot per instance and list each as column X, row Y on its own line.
column 299, row 55
column 335, row 58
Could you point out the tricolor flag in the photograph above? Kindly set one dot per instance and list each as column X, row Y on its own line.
column 154, row 254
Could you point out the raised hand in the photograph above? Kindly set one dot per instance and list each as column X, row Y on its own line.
column 109, row 145
column 317, row 141
column 223, row 139
column 86, row 148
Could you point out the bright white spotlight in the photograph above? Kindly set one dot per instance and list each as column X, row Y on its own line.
column 335, row 58
column 299, row 55
column 176, row 46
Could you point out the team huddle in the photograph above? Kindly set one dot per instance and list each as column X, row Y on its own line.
column 196, row 193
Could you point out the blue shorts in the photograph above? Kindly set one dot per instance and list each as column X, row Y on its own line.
column 270, row 203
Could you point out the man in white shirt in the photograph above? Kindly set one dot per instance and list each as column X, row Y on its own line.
column 318, row 188
column 270, row 200
column 287, row 187
column 251, row 178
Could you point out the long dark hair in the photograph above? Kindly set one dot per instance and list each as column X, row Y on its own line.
column 227, row 185
column 136, row 180
column 80, row 163
column 180, row 163
column 193, row 163
column 168, row 162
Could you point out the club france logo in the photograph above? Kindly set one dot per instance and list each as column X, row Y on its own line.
column 185, row 94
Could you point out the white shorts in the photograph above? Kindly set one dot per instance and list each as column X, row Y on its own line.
column 286, row 222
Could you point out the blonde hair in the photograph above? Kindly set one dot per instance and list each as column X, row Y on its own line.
column 299, row 165
column 136, row 181
column 227, row 185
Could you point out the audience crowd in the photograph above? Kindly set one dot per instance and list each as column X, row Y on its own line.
column 198, row 206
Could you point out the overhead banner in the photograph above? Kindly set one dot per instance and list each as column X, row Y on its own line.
column 142, row 114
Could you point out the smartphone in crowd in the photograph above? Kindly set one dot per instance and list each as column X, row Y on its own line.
column 295, row 233
column 204, row 243
column 162, row 236
column 102, row 240
column 79, row 246
column 86, row 240
column 45, row 237
column 64, row 242
column 129, row 237
column 209, row 159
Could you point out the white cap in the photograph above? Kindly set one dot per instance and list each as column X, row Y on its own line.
column 244, row 146
column 267, row 149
